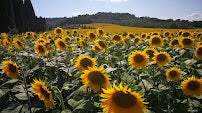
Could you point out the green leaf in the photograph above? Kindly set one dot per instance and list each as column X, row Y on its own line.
column 190, row 62
column 21, row 96
column 183, row 64
column 10, row 82
column 144, row 70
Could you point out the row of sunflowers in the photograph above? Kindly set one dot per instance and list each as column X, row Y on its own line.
column 99, row 71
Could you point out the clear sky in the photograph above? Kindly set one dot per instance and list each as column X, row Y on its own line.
column 164, row 9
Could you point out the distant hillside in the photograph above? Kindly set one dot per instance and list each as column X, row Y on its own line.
column 124, row 19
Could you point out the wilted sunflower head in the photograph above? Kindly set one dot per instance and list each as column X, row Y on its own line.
column 186, row 42
column 198, row 52
column 11, row 69
column 95, row 78
column 192, row 87
column 162, row 58
column 43, row 93
column 173, row 74
column 58, row 31
column 60, row 44
column 40, row 49
column 122, row 100
column 156, row 41
column 137, row 40
column 174, row 43
column 150, row 52
column 138, row 59
column 84, row 62
column 116, row 38
column 101, row 44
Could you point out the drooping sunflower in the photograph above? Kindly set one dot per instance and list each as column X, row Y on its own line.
column 162, row 58
column 174, row 43
column 150, row 52
column 116, row 38
column 95, row 78
column 100, row 32
column 198, row 52
column 11, row 69
column 96, row 49
column 131, row 35
column 173, row 74
column 186, row 42
column 83, row 44
column 101, row 44
column 58, row 31
column 186, row 34
column 156, row 41
column 122, row 100
column 18, row 43
column 92, row 37
column 40, row 49
column 137, row 40
column 60, row 44
column 192, row 87
column 49, row 47
column 138, row 59
column 43, row 93
column 84, row 62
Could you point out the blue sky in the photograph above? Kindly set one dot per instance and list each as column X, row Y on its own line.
column 164, row 9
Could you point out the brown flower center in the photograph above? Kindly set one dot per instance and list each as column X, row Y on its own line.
column 156, row 40
column 19, row 43
column 150, row 53
column 92, row 36
column 175, row 42
column 124, row 100
column 167, row 34
column 58, row 31
column 97, row 48
column 102, row 44
column 144, row 36
column 124, row 34
column 186, row 34
column 62, row 44
column 186, row 41
column 67, row 32
column 12, row 68
column 137, row 40
column 161, row 57
column 96, row 78
column 44, row 92
column 41, row 48
column 131, row 36
column 193, row 85
column 86, row 62
column 173, row 73
column 117, row 38
column 199, row 51
column 139, row 58
column 100, row 32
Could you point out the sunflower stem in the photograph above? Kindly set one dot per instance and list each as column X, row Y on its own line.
column 60, row 98
column 26, row 90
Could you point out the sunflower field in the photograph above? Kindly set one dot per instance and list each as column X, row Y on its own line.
column 112, row 69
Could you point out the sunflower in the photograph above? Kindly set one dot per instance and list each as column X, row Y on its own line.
column 10, row 49
column 92, row 36
column 83, row 44
column 18, row 43
column 49, row 37
column 122, row 100
column 124, row 34
column 100, row 32
column 96, row 49
column 84, row 62
column 126, row 42
column 6, row 43
column 28, row 33
column 67, row 32
column 150, row 52
column 156, row 33
column 49, row 47
column 199, row 44
column 101, row 44
column 192, row 87
column 77, row 39
column 186, row 42
column 40, row 40
column 173, row 74
column 40, row 49
column 11, row 69
column 186, row 34
column 162, row 58
column 166, row 34
column 34, row 35
column 58, row 31
column 138, row 59
column 156, row 41
column 95, row 78
column 137, row 40
column 67, row 39
column 43, row 93
column 144, row 35
column 75, row 32
column 174, row 43
column 60, row 44
column 198, row 52
column 1, row 42
column 131, row 35
column 116, row 38
column 148, row 36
